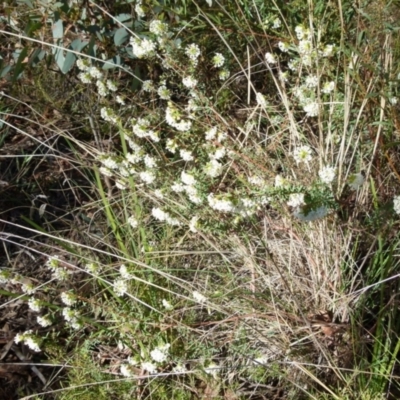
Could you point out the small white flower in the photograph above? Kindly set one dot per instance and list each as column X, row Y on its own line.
column 159, row 194
column 159, row 214
column 83, row 64
column 68, row 298
column 159, row 355
column 327, row 174
column 224, row 74
column 189, row 82
column 296, row 199
column 70, row 315
column 126, row 370
column 142, row 48
column 188, row 179
column 111, row 85
column 120, row 287
column 213, row 168
column 34, row 304
column 159, row 28
column 193, row 224
column 93, row 268
column 147, row 177
column 276, row 23
column 193, row 52
column 355, row 181
column 219, row 153
column 186, row 155
column 148, row 86
column 328, row 50
column 44, row 321
column 123, row 270
column 140, row 10
column 164, row 92
column 393, row 100
column 132, row 221
column 311, row 109
column 101, row 89
column 257, row 181
column 199, row 297
column 150, row 367
column 218, row 60
column 32, row 342
column 149, row 161
column 120, row 100
column 212, row 369
column 312, row 81
column 26, row 287
column 270, row 58
column 166, row 304
column 85, row 77
column 95, row 73
column 328, row 87
column 283, row 76
column 284, row 47
column 396, row 204
column 261, row 101
column 180, row 368
column 302, row 154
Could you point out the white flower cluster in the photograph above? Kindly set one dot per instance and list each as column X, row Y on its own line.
column 327, row 174
column 163, row 216
column 120, row 287
column 218, row 60
column 193, row 52
column 160, row 353
column 221, row 203
column 158, row 27
column 302, row 154
column 59, row 273
column 28, row 338
column 68, row 298
column 44, row 321
column 141, row 128
column 174, row 118
column 34, row 304
column 214, row 134
column 296, row 199
column 142, row 48
column 189, row 82
column 73, row 317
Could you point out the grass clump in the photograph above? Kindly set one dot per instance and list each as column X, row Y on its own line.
column 222, row 224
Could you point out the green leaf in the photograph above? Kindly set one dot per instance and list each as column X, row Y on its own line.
column 20, row 65
column 120, row 36
column 5, row 71
column 123, row 17
column 78, row 45
column 58, row 30
column 112, row 62
column 69, row 62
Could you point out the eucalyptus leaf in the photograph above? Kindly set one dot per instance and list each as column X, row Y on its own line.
column 69, row 62
column 112, row 62
column 123, row 17
column 58, row 30
column 78, row 45
column 120, row 36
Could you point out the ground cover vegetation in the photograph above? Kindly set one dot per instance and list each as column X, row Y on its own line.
column 199, row 199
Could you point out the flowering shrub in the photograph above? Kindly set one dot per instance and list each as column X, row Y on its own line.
column 215, row 182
